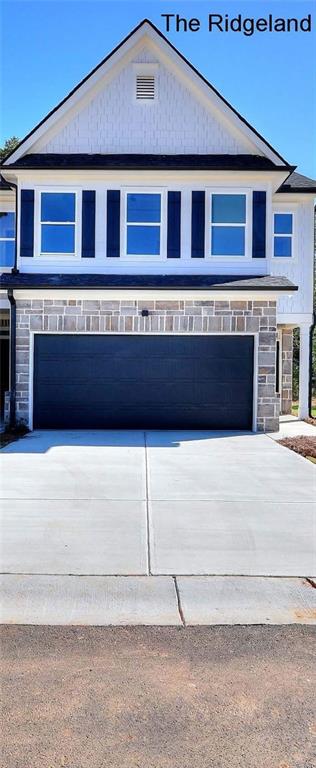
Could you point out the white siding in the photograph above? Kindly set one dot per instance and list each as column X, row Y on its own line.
column 114, row 122
column 152, row 265
column 299, row 268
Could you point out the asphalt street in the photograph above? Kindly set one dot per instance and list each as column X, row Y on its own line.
column 158, row 697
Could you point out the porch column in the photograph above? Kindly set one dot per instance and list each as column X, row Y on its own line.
column 304, row 371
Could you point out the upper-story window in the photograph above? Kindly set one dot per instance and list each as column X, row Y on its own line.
column 283, row 235
column 7, row 238
column 228, row 224
column 143, row 224
column 57, row 223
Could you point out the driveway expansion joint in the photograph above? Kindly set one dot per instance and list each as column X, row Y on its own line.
column 147, row 508
column 180, row 609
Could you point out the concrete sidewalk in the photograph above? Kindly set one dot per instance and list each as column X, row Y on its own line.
column 156, row 600
column 291, row 426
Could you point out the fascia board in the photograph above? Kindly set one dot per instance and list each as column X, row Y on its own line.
column 148, row 295
column 102, row 176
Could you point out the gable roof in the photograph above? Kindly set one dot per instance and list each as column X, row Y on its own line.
column 147, row 27
column 296, row 182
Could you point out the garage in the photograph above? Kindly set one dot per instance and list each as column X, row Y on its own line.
column 86, row 381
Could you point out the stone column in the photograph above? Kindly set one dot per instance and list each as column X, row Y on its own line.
column 304, row 371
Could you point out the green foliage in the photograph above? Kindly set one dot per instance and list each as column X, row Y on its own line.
column 8, row 147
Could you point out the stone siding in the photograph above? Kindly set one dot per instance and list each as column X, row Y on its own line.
column 287, row 371
column 124, row 316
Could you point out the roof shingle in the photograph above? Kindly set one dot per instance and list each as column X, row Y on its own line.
column 143, row 282
column 298, row 183
column 191, row 162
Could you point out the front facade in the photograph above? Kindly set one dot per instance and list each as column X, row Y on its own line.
column 162, row 256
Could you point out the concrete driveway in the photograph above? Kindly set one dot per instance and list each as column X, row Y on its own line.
column 184, row 503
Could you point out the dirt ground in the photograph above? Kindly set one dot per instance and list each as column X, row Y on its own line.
column 211, row 697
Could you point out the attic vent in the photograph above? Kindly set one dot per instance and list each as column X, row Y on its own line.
column 145, row 87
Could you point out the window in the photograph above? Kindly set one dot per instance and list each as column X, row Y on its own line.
column 7, row 238
column 58, row 221
column 283, row 235
column 143, row 224
column 228, row 225
column 145, row 87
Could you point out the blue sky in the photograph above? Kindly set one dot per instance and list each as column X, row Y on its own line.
column 47, row 47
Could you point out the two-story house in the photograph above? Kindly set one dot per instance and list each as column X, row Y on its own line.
column 162, row 255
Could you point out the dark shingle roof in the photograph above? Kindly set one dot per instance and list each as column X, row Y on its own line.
column 143, row 162
column 4, row 185
column 143, row 282
column 298, row 183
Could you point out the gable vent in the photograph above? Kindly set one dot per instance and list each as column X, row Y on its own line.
column 145, row 87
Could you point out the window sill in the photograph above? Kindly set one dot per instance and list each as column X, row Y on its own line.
column 61, row 256
column 245, row 257
column 283, row 258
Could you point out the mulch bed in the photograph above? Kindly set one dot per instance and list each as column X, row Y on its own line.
column 304, row 445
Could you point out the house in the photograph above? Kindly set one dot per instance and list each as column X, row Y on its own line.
column 164, row 254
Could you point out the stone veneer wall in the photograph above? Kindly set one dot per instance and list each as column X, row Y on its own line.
column 287, row 371
column 107, row 316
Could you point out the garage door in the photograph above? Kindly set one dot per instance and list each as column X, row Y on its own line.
column 143, row 382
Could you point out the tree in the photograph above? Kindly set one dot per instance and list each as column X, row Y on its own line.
column 8, row 147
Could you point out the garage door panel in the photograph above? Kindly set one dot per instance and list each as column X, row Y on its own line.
column 153, row 382
column 161, row 393
column 104, row 369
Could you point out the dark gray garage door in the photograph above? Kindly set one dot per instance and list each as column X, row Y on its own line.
column 143, row 382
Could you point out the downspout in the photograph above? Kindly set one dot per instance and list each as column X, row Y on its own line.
column 312, row 328
column 12, row 418
column 12, row 415
column 310, row 389
column 15, row 187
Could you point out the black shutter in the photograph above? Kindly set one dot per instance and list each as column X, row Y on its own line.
column 174, row 225
column 27, row 223
column 113, row 223
column 258, row 225
column 88, row 224
column 198, row 225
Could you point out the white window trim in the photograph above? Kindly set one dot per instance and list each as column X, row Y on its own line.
column 292, row 235
column 7, row 239
column 248, row 224
column 163, row 224
column 38, row 224
column 5, row 209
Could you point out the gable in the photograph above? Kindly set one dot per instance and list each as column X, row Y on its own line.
column 177, row 122
column 100, row 114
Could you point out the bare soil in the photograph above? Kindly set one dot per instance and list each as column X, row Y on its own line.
column 136, row 697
